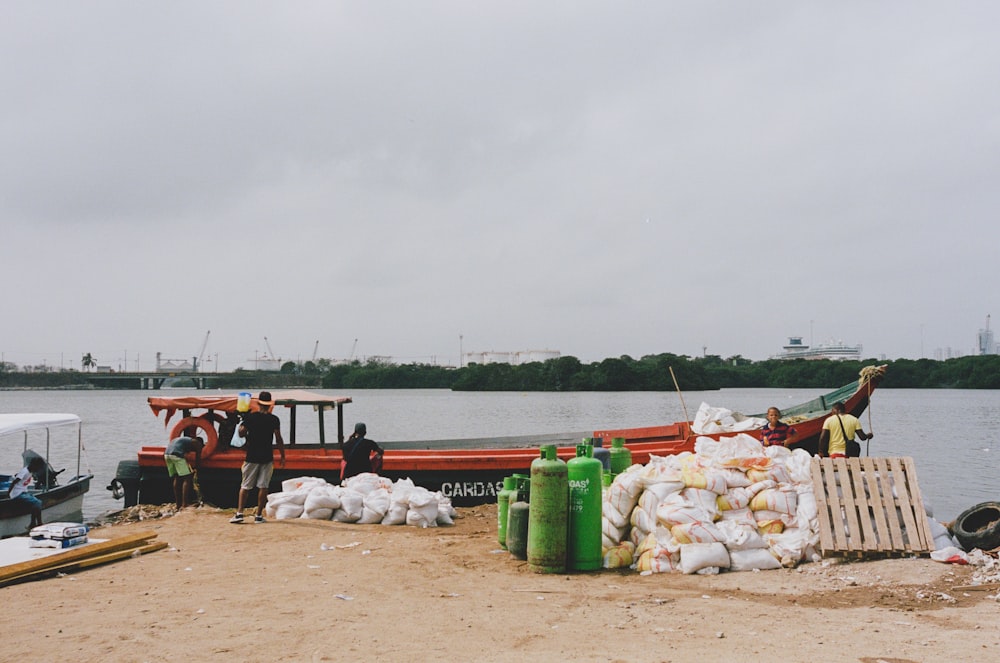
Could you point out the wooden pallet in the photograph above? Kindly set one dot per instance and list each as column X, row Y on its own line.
column 870, row 507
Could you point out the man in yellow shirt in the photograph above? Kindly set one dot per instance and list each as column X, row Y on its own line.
column 838, row 428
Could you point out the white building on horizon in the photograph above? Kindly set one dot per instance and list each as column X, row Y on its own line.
column 515, row 358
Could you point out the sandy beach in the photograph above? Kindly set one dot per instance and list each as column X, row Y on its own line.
column 305, row 590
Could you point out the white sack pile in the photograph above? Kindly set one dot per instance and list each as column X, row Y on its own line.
column 733, row 505
column 364, row 499
column 720, row 420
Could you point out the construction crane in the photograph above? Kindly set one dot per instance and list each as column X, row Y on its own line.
column 269, row 350
column 315, row 348
column 201, row 353
column 353, row 348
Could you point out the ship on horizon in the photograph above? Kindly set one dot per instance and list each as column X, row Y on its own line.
column 836, row 350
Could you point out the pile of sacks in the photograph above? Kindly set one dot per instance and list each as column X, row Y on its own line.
column 732, row 505
column 365, row 499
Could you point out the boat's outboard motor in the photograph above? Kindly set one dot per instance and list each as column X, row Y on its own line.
column 44, row 478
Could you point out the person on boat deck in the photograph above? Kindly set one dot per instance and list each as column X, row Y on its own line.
column 260, row 429
column 838, row 428
column 179, row 470
column 776, row 432
column 19, row 489
column 357, row 452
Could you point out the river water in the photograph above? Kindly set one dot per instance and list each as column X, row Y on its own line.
column 949, row 433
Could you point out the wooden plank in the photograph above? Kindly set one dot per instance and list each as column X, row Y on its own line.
column 73, row 554
column 889, row 500
column 870, row 542
column 905, row 505
column 836, row 513
column 920, row 512
column 878, row 512
column 822, row 506
column 88, row 562
column 854, row 538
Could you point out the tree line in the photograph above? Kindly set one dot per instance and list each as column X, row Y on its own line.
column 658, row 373
column 648, row 373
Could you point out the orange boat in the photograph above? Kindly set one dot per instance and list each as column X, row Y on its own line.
column 469, row 471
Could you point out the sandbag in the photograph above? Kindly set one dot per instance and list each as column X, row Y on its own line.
column 775, row 472
column 697, row 533
column 705, row 499
column 791, row 544
column 396, row 515
column 423, row 508
column 419, row 518
column 619, row 556
column 614, row 533
column 352, row 504
column 323, row 496
column 752, row 559
column 366, row 482
column 287, row 511
column 782, row 500
column 642, row 521
column 740, row 535
column 300, row 483
column 698, row 556
column 612, row 514
column 297, row 497
column 676, row 510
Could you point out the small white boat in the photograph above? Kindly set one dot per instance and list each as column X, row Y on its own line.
column 61, row 500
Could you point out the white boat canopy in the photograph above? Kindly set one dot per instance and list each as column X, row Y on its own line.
column 16, row 423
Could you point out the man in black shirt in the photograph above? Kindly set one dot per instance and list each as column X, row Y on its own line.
column 259, row 428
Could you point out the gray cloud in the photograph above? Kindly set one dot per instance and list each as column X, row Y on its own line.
column 596, row 179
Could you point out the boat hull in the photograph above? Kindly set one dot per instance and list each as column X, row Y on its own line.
column 60, row 504
column 469, row 471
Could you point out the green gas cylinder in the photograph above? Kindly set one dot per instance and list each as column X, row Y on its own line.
column 517, row 518
column 621, row 457
column 583, row 552
column 547, row 516
column 503, row 507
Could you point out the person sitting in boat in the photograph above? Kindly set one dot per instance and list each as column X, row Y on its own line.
column 839, row 429
column 179, row 470
column 357, row 453
column 19, row 488
column 776, row 432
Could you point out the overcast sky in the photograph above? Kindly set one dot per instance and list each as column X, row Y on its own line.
column 594, row 178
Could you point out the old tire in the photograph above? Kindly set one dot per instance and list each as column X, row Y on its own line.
column 979, row 527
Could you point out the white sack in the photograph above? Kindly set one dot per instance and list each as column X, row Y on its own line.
column 352, row 504
column 287, row 511
column 752, row 559
column 301, row 483
column 697, row 556
column 319, row 513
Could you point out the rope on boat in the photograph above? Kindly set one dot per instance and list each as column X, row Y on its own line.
column 868, row 373
column 679, row 394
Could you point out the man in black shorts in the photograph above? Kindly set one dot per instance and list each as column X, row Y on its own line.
column 259, row 428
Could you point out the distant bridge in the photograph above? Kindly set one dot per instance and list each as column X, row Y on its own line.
column 152, row 380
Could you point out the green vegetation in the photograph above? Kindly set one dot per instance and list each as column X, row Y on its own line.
column 649, row 373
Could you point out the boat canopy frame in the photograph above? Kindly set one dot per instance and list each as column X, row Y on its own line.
column 12, row 424
column 290, row 398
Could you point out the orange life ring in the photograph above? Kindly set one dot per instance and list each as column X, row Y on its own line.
column 211, row 437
